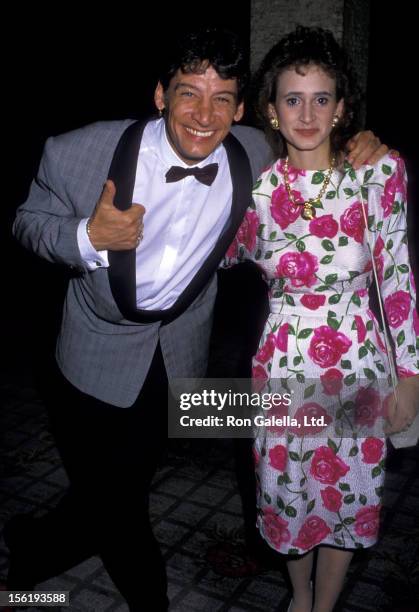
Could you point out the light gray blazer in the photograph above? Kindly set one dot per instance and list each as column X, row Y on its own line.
column 105, row 346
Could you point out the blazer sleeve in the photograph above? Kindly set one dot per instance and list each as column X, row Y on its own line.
column 47, row 222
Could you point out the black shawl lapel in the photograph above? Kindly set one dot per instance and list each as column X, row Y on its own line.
column 122, row 172
column 122, row 272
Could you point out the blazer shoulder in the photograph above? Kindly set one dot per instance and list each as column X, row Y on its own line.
column 255, row 144
column 99, row 132
column 78, row 149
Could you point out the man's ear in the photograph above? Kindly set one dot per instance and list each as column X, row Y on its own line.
column 239, row 112
column 159, row 97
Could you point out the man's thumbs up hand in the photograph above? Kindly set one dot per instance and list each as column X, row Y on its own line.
column 112, row 229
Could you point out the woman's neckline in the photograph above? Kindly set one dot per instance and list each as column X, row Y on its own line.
column 296, row 168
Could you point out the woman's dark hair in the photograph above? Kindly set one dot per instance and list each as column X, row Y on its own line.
column 300, row 48
column 196, row 50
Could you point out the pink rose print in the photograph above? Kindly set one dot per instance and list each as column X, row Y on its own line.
column 397, row 308
column 300, row 268
column 372, row 450
column 360, row 328
column 312, row 532
column 332, row 381
column 293, row 173
column 281, row 338
column 278, row 457
column 401, row 171
column 401, row 175
column 416, row 322
column 387, row 198
column 332, row 499
column 275, row 528
column 379, row 266
column 378, row 247
column 327, row 346
column 352, row 222
column 324, row 227
column 256, row 456
column 367, row 521
column 312, row 300
column 404, row 372
column 304, row 415
column 361, row 292
column 394, row 184
column 259, row 378
column 233, row 249
column 326, row 466
column 367, row 406
column 412, row 281
column 267, row 350
column 278, row 410
column 246, row 234
column 282, row 210
column 379, row 337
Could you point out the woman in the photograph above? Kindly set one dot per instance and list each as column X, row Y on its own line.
column 320, row 481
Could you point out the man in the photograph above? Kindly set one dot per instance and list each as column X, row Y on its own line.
column 139, row 305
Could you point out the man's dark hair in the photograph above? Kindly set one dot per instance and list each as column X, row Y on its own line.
column 299, row 49
column 196, row 50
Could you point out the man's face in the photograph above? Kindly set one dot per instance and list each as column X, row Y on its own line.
column 200, row 109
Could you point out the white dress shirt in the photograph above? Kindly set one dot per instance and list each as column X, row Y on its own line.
column 182, row 222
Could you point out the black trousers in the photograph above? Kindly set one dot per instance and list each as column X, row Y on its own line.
column 110, row 455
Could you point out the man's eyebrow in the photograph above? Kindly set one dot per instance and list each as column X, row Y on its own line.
column 217, row 93
column 178, row 85
column 227, row 92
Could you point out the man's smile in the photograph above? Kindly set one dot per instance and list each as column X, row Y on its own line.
column 199, row 133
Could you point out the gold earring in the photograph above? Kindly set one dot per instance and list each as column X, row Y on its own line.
column 274, row 123
column 335, row 120
column 161, row 112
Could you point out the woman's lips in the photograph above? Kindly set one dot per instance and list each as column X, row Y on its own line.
column 307, row 133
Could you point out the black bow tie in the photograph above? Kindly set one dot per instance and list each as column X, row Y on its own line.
column 205, row 175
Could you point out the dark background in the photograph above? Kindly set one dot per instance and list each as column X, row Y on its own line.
column 66, row 69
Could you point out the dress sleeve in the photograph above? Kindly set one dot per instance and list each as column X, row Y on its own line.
column 396, row 282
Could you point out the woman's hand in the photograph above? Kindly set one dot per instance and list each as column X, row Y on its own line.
column 401, row 415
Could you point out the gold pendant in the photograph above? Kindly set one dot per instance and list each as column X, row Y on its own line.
column 309, row 212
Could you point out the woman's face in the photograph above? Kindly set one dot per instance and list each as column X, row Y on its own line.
column 305, row 106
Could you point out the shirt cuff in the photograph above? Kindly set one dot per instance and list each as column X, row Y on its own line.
column 92, row 258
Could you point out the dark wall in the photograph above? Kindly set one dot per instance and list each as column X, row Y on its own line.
column 392, row 75
column 391, row 101
column 69, row 69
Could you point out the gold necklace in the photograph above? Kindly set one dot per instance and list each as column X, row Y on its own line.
column 309, row 210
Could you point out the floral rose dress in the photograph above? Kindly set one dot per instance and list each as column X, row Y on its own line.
column 322, row 483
